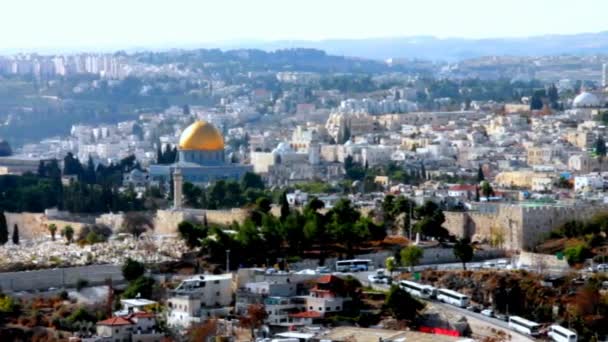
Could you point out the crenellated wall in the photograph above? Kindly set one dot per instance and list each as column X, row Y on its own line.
column 514, row 226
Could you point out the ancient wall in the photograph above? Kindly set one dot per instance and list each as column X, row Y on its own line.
column 166, row 221
column 516, row 227
column 456, row 223
column 542, row 262
column 35, row 225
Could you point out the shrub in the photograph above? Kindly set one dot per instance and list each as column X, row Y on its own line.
column 577, row 253
column 81, row 283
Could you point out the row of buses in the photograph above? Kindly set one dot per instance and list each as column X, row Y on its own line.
column 519, row 324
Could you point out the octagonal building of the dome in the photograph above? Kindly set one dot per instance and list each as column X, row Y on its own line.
column 201, row 158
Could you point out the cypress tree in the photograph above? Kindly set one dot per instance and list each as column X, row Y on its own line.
column 3, row 229
column 16, row 234
column 284, row 206
column 480, row 175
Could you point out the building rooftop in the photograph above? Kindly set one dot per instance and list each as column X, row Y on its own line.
column 115, row 321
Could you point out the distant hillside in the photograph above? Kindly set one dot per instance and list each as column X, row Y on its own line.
column 449, row 49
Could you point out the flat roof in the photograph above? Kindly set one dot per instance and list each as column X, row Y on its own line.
column 210, row 277
column 293, row 334
column 137, row 301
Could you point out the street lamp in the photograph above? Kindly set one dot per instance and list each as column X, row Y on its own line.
column 227, row 260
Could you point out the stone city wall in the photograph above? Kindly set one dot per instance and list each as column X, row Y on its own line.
column 166, row 221
column 515, row 227
column 542, row 262
column 35, row 225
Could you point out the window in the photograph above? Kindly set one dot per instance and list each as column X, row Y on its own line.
column 337, row 308
column 320, row 308
column 217, row 293
column 311, row 308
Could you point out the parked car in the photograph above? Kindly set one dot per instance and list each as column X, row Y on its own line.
column 502, row 317
column 488, row 312
column 473, row 308
column 323, row 269
column 379, row 279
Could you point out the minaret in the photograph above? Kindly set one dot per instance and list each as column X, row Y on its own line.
column 604, row 75
column 178, row 181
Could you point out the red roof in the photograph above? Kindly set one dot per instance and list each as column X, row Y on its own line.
column 463, row 187
column 326, row 279
column 306, row 314
column 115, row 321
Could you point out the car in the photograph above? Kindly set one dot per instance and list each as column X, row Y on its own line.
column 502, row 317
column 602, row 268
column 379, row 279
column 473, row 308
column 488, row 312
column 323, row 269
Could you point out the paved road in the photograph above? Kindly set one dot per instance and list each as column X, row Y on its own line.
column 489, row 322
column 482, row 322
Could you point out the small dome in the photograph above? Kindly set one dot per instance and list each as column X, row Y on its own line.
column 201, row 136
column 586, row 99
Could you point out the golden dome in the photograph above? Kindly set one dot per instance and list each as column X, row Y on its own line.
column 201, row 136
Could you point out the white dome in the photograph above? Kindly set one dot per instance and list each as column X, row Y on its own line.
column 586, row 99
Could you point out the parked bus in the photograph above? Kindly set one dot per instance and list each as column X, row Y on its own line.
column 452, row 297
column 354, row 265
column 418, row 290
column 524, row 326
column 560, row 334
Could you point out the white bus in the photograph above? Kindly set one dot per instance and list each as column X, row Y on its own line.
column 560, row 334
column 354, row 265
column 418, row 290
column 524, row 326
column 452, row 297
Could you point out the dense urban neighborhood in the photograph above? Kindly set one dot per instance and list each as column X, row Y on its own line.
column 294, row 195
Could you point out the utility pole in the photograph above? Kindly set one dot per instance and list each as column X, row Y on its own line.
column 410, row 222
column 227, row 260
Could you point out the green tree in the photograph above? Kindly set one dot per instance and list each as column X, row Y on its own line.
column 140, row 287
column 132, row 269
column 463, row 251
column 68, row 233
column 3, row 229
column 390, row 264
column 536, row 103
column 342, row 219
column 411, row 255
column 192, row 194
column 191, row 233
column 577, row 254
column 251, row 180
column 136, row 223
column 284, row 206
column 600, row 150
column 16, row 234
column 480, row 175
column 486, row 189
column 402, row 305
column 53, row 230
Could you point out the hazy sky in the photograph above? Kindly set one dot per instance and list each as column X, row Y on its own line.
column 31, row 24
